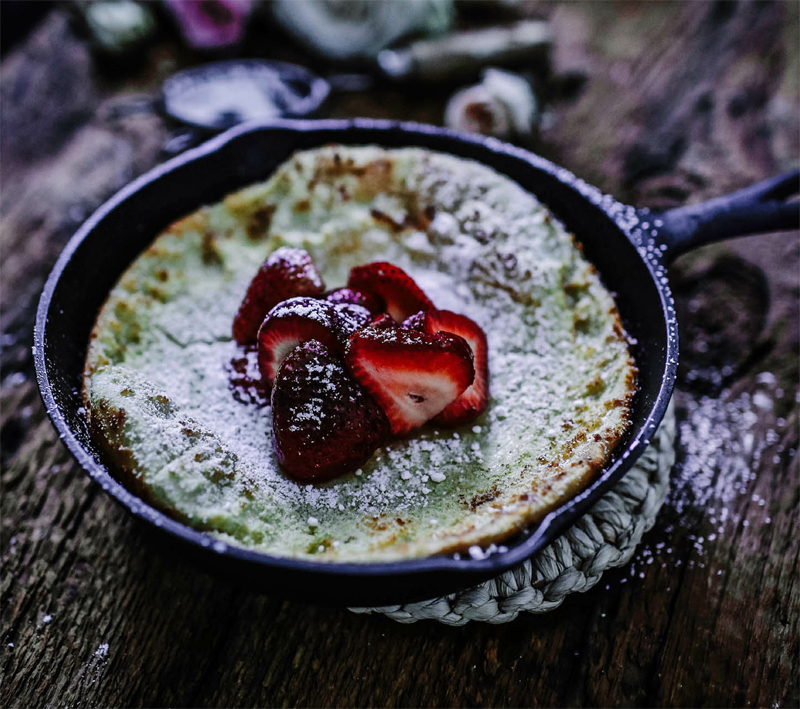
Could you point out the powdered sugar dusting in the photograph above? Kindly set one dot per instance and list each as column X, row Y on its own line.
column 722, row 441
column 492, row 253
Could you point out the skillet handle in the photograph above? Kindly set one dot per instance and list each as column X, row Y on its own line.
column 762, row 208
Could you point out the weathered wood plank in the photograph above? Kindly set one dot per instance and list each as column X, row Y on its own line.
column 683, row 101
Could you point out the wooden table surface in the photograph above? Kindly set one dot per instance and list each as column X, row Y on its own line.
column 657, row 103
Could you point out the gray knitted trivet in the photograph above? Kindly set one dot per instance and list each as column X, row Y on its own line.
column 605, row 537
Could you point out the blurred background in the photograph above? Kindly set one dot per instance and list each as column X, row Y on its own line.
column 529, row 72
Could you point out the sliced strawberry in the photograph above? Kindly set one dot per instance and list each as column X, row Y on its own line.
column 474, row 400
column 374, row 303
column 324, row 423
column 286, row 273
column 299, row 320
column 412, row 375
column 403, row 297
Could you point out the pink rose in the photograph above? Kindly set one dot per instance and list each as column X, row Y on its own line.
column 209, row 24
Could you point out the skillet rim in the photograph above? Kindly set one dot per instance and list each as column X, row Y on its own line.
column 625, row 218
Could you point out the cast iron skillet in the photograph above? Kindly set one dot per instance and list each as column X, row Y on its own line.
column 628, row 246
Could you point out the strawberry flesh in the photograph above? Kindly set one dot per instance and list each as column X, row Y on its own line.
column 403, row 297
column 473, row 401
column 299, row 320
column 324, row 423
column 286, row 273
column 412, row 375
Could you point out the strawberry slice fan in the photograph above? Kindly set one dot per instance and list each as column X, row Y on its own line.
column 349, row 368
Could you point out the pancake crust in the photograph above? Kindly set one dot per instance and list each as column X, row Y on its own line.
column 156, row 383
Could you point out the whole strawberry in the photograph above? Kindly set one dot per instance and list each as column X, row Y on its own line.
column 374, row 303
column 299, row 320
column 324, row 423
column 285, row 274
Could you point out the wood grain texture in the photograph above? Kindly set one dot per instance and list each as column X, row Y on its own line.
column 680, row 102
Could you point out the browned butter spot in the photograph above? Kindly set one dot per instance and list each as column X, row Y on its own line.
column 376, row 179
column 384, row 218
column 115, row 419
column 480, row 499
column 259, row 221
column 595, row 386
column 376, row 524
column 192, row 222
column 209, row 251
column 302, row 206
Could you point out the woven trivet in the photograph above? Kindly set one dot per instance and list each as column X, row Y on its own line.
column 605, row 537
